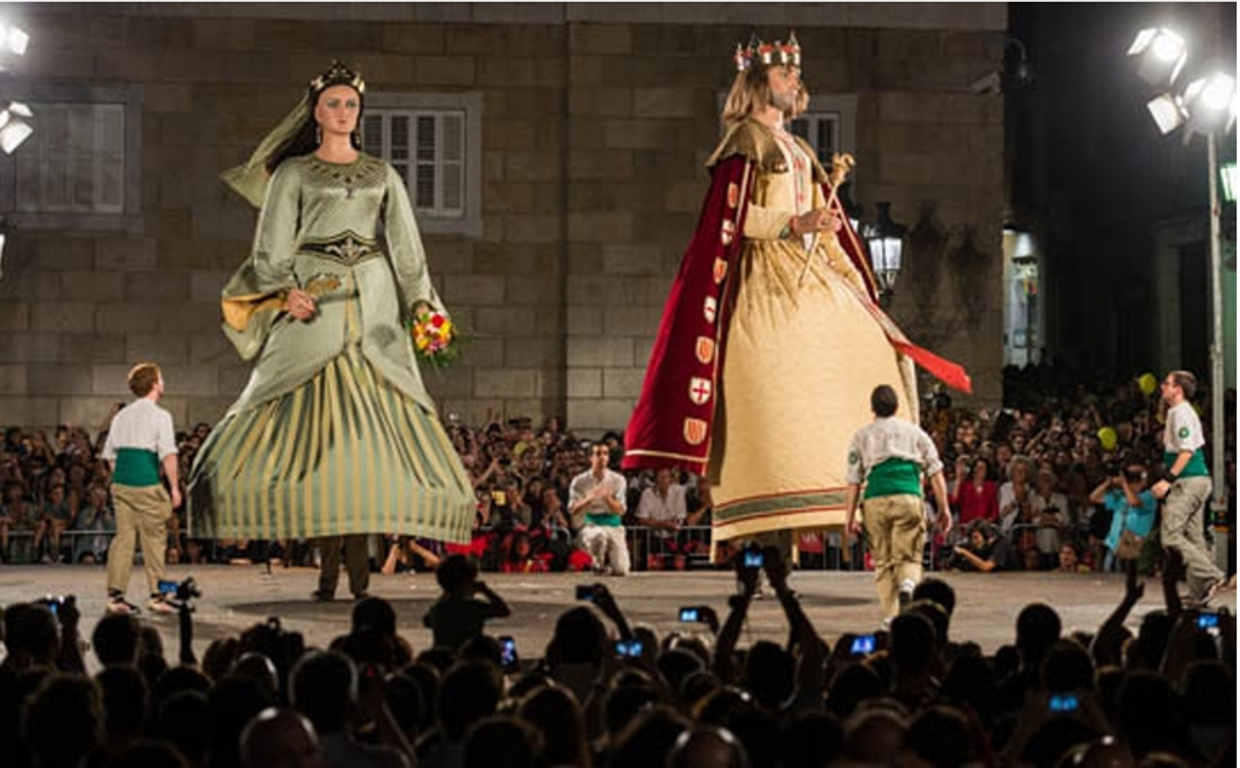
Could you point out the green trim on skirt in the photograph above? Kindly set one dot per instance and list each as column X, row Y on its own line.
column 344, row 453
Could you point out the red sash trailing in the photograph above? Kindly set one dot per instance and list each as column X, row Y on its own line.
column 673, row 422
column 951, row 374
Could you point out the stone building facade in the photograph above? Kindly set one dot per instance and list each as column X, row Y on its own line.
column 590, row 125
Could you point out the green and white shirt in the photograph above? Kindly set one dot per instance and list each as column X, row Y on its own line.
column 138, row 440
column 598, row 513
column 888, row 455
column 1183, row 433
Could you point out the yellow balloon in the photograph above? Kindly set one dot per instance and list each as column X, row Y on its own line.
column 1148, row 382
column 1108, row 438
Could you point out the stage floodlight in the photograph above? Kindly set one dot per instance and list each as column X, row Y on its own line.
column 1160, row 55
column 1168, row 112
column 14, row 128
column 1210, row 102
column 13, row 39
column 1218, row 91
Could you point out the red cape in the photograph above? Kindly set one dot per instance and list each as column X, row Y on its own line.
column 673, row 422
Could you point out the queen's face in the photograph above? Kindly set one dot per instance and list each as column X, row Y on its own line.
column 338, row 109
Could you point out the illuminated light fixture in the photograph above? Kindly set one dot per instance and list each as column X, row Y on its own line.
column 13, row 40
column 886, row 241
column 1161, row 54
column 1168, row 112
column 1218, row 92
column 1228, row 174
column 1210, row 102
column 5, row 229
column 13, row 126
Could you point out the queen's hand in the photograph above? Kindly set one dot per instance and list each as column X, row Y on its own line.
column 300, row 305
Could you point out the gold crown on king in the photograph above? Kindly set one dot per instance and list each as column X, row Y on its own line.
column 338, row 74
column 787, row 54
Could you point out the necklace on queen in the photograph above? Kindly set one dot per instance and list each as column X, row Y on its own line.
column 349, row 175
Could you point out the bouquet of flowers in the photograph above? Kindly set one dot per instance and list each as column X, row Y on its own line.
column 435, row 339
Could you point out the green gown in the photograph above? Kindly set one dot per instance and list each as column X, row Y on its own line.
column 334, row 432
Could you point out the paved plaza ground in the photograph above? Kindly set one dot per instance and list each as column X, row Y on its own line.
column 235, row 597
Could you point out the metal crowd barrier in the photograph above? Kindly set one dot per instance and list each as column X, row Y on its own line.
column 21, row 544
column 689, row 548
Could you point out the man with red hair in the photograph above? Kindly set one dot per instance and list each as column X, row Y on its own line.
column 140, row 440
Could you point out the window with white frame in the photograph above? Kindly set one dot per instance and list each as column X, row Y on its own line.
column 433, row 141
column 829, row 125
column 81, row 168
column 822, row 131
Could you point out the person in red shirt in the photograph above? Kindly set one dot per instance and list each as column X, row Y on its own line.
column 975, row 496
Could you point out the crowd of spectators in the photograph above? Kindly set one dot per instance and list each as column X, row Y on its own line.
column 605, row 692
column 1049, row 483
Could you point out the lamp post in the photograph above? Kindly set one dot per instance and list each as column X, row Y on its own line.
column 885, row 239
column 1218, row 507
column 1206, row 105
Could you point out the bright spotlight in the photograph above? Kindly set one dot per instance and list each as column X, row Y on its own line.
column 1210, row 102
column 1161, row 54
column 1218, row 92
column 13, row 39
column 13, row 126
column 1168, row 47
column 1167, row 112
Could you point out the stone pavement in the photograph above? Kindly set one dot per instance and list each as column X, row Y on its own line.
column 235, row 597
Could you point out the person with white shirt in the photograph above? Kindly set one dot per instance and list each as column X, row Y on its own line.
column 888, row 457
column 662, row 508
column 599, row 494
column 1187, row 488
column 140, row 441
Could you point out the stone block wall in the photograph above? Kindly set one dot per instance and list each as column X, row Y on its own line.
column 596, row 121
column 643, row 115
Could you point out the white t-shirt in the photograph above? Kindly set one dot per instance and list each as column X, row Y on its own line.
column 1183, row 430
column 664, row 510
column 143, row 425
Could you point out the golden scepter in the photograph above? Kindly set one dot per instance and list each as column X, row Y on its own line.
column 841, row 164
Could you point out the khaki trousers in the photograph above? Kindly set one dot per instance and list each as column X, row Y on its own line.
column 1182, row 530
column 356, row 562
column 142, row 513
column 896, row 526
column 607, row 545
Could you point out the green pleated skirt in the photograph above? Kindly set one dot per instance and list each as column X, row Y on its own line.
column 343, row 453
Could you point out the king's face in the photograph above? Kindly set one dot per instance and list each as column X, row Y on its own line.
column 785, row 85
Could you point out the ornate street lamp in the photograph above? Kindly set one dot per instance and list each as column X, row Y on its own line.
column 885, row 239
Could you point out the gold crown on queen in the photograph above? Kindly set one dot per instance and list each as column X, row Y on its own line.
column 338, row 74
column 786, row 54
